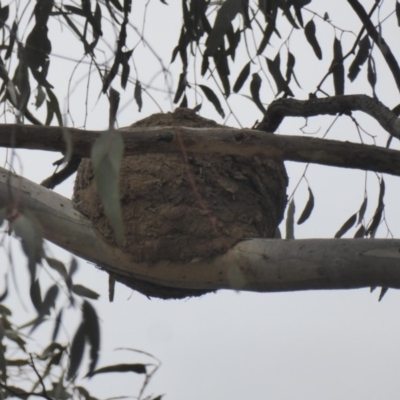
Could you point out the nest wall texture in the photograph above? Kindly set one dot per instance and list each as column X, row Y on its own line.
column 183, row 206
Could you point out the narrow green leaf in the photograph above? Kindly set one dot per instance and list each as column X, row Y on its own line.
column 58, row 266
column 241, row 79
column 383, row 292
column 49, row 300
column 307, row 209
column 225, row 15
column 255, row 86
column 338, row 67
column 4, row 13
column 107, row 153
column 35, row 294
column 309, row 31
column 138, row 95
column 346, row 226
column 181, row 87
column 83, row 291
column 213, row 99
column 113, row 98
column 360, row 58
column 136, row 368
column 57, row 325
column 371, row 73
column 360, row 232
column 275, row 71
column 40, row 97
column 111, row 287
column 92, row 332
column 290, row 66
column 290, row 220
column 362, row 210
column 77, row 349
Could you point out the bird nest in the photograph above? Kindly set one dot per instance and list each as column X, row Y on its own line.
column 183, row 206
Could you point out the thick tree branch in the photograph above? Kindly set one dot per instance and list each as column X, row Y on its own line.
column 378, row 39
column 281, row 108
column 219, row 141
column 262, row 265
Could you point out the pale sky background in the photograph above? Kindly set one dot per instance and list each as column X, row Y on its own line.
column 229, row 345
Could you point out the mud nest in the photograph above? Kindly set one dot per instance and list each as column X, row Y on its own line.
column 179, row 207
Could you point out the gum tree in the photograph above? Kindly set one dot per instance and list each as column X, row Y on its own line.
column 263, row 42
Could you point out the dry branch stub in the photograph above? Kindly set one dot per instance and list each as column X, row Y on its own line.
column 181, row 206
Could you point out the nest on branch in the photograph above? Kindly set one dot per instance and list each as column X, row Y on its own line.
column 183, row 206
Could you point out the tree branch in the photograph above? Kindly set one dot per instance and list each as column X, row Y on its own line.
column 260, row 265
column 281, row 108
column 219, row 141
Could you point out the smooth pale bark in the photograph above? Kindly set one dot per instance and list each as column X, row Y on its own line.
column 262, row 265
column 219, row 141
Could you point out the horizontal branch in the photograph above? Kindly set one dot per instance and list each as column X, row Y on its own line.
column 286, row 107
column 219, row 141
column 262, row 265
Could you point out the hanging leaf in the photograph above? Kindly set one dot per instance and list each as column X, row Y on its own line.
column 55, row 105
column 274, row 69
column 213, row 99
column 286, row 12
column 107, row 152
column 77, row 348
column 111, row 287
column 398, row 12
column 181, row 87
column 114, row 99
column 270, row 12
column 309, row 31
column 338, row 68
column 4, row 295
column 197, row 108
column 307, row 209
column 49, row 300
column 360, row 232
column 290, row 220
column 58, row 266
column 221, row 63
column 83, row 291
column 371, row 74
column 136, row 368
column 382, row 293
column 298, row 5
column 204, row 65
column 57, row 325
column 184, row 102
column 346, row 226
column 255, row 86
column 372, row 228
column 289, row 66
column 362, row 210
column 241, row 79
column 35, row 294
column 360, row 58
column 92, row 332
column 29, row 231
column 4, row 13
column 40, row 97
column 225, row 15
column 138, row 95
